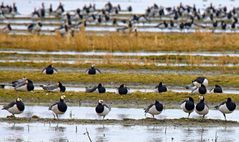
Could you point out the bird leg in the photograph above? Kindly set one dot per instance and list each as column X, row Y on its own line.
column 225, row 116
column 54, row 116
column 189, row 114
column 153, row 115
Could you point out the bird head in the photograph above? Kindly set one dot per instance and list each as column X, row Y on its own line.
column 122, row 85
column 18, row 99
column 62, row 97
column 100, row 101
column 201, row 98
column 229, row 99
column 190, row 99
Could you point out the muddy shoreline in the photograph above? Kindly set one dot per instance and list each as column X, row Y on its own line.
column 128, row 122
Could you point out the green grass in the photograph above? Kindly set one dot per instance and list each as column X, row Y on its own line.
column 137, row 98
column 150, row 67
column 110, row 78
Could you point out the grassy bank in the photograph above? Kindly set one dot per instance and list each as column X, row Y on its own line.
column 125, row 67
column 137, row 99
column 110, row 78
column 129, row 122
column 126, row 42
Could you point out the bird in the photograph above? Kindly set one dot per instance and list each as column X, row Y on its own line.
column 201, row 107
column 226, row 107
column 161, row 88
column 49, row 70
column 15, row 107
column 102, row 109
column 34, row 27
column 197, row 82
column 154, row 109
column 92, row 70
column 216, row 89
column 23, row 84
column 122, row 90
column 7, row 28
column 100, row 88
column 201, row 90
column 58, row 107
column 54, row 87
column 19, row 82
column 188, row 105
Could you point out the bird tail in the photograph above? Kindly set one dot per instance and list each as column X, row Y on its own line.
column 216, row 107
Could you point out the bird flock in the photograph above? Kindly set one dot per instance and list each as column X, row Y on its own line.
column 102, row 109
column 198, row 85
column 181, row 17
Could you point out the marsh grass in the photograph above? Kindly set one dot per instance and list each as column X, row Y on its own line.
column 116, row 79
column 127, row 66
column 169, row 98
column 199, row 41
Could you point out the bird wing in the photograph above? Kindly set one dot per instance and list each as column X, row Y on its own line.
column 50, row 107
column 43, row 70
column 89, row 90
column 147, row 109
column 98, row 70
column 49, row 87
column 55, row 69
column 107, row 106
column 9, row 105
column 216, row 107
column 19, row 82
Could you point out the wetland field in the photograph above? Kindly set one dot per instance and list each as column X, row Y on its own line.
column 140, row 60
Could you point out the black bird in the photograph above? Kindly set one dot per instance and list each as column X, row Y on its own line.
column 201, row 107
column 100, row 88
column 122, row 90
column 201, row 90
column 34, row 27
column 102, row 109
column 49, row 70
column 23, row 84
column 154, row 109
column 216, row 89
column 93, row 70
column 188, row 105
column 226, row 107
column 15, row 107
column 161, row 88
column 197, row 82
column 58, row 107
column 54, row 87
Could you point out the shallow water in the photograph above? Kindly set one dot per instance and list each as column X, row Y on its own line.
column 39, row 132
column 131, row 90
column 80, row 112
